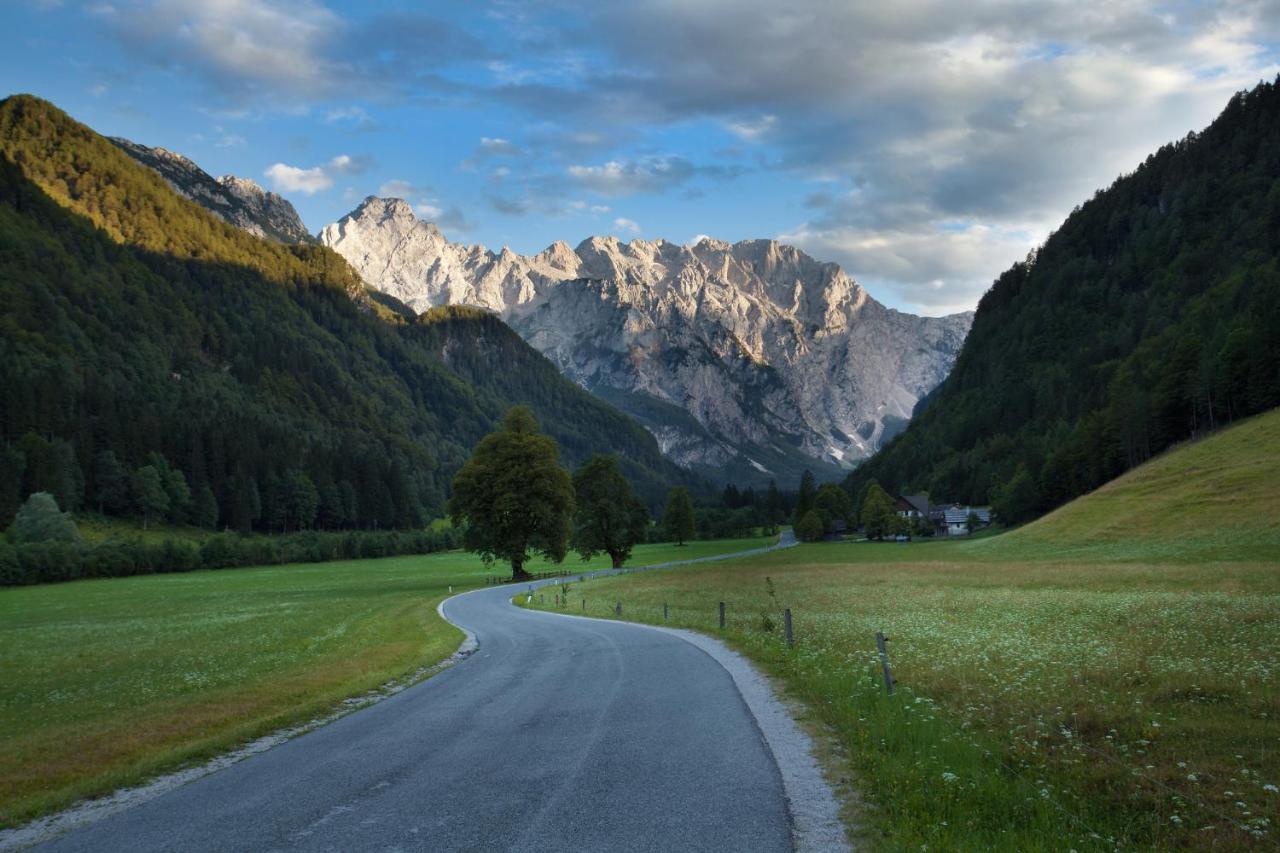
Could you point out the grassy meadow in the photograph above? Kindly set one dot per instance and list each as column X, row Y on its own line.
column 1106, row 678
column 106, row 682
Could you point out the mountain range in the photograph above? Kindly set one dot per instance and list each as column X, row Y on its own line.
column 747, row 361
column 141, row 330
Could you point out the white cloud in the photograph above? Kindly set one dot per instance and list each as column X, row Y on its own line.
column 1003, row 116
column 497, row 147
column 291, row 179
column 645, row 175
column 752, row 131
column 277, row 51
column 285, row 178
column 428, row 211
column 932, row 268
column 397, row 188
column 626, row 226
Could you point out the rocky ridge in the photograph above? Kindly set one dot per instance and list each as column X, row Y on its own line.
column 238, row 201
column 749, row 360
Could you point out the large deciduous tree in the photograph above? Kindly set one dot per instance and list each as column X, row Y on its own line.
column 878, row 517
column 832, row 504
column 677, row 517
column 512, row 498
column 609, row 516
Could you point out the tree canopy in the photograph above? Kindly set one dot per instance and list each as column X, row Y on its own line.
column 878, row 517
column 609, row 517
column 809, row 527
column 512, row 498
column 678, row 517
column 805, row 495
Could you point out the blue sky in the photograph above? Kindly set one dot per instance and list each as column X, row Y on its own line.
column 923, row 145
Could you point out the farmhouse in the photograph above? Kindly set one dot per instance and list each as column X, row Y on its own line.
column 953, row 519
column 912, row 506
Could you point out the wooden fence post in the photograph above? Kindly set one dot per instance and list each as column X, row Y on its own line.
column 881, row 639
column 722, row 614
column 617, row 609
column 786, row 625
column 664, row 611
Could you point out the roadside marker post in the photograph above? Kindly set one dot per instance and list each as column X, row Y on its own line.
column 881, row 639
column 786, row 625
column 664, row 611
column 722, row 614
column 617, row 609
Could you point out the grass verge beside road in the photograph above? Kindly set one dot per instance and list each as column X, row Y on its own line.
column 1107, row 678
column 1039, row 705
column 108, row 682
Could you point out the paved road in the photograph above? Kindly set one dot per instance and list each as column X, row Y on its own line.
column 557, row 734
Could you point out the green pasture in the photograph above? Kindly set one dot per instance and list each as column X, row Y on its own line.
column 106, row 682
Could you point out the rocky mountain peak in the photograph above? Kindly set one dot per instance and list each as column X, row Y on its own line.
column 750, row 359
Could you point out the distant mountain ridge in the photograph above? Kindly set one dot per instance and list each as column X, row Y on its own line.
column 238, row 201
column 750, row 360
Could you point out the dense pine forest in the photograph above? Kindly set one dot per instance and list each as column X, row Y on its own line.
column 1150, row 317
column 157, row 362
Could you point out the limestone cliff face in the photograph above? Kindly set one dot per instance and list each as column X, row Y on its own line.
column 238, row 201
column 752, row 359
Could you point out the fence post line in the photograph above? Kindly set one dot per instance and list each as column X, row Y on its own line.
column 786, row 625
column 881, row 639
column 722, row 614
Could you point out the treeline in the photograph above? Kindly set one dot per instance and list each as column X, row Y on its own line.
column 158, row 363
column 1150, row 317
column 738, row 513
column 49, row 562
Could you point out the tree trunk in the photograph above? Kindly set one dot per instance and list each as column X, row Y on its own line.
column 617, row 560
column 517, row 571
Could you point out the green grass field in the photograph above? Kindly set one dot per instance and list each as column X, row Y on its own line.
column 107, row 682
column 1106, row 678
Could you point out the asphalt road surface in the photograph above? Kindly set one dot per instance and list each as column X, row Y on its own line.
column 556, row 734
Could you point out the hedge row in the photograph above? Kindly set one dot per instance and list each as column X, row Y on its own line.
column 51, row 563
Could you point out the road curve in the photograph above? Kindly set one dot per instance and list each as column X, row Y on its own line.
column 556, row 734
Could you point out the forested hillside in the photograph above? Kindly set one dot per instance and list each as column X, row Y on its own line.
column 1151, row 315
column 153, row 357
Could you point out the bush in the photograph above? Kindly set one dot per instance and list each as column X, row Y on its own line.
column 221, row 551
column 11, row 573
column 48, row 562
column 40, row 520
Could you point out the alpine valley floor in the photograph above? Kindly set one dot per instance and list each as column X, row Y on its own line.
column 1105, row 678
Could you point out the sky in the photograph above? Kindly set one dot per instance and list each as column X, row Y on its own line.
column 924, row 145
